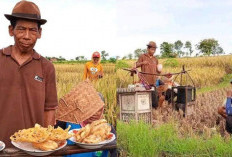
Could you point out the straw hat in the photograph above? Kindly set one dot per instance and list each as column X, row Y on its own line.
column 81, row 103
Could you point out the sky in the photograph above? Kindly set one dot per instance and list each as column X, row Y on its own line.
column 81, row 27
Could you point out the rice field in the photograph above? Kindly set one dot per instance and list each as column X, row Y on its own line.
column 204, row 131
column 201, row 134
column 205, row 71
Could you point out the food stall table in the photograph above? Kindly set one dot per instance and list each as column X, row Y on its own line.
column 74, row 149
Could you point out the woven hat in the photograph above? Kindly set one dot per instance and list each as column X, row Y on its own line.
column 81, row 103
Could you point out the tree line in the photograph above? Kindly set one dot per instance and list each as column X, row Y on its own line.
column 206, row 47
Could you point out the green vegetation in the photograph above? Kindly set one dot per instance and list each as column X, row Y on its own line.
column 121, row 64
column 171, row 62
column 141, row 140
column 224, row 83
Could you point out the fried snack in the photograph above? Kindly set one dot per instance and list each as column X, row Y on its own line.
column 59, row 134
column 83, row 133
column 46, row 146
column 92, row 139
column 37, row 134
column 103, row 132
column 97, row 127
column 42, row 138
column 98, row 122
column 96, row 132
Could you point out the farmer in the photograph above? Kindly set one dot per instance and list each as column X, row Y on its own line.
column 222, row 112
column 148, row 63
column 27, row 80
column 93, row 69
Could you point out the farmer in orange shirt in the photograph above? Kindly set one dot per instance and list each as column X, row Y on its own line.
column 93, row 69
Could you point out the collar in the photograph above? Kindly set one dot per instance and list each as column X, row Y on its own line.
column 146, row 54
column 8, row 50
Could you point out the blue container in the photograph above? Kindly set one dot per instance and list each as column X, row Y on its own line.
column 90, row 154
column 228, row 106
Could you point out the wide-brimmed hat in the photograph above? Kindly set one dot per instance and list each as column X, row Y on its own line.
column 26, row 10
column 152, row 44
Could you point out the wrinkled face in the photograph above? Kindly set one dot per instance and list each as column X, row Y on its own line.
column 151, row 50
column 25, row 35
column 95, row 60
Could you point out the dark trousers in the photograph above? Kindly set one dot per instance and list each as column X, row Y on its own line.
column 154, row 98
column 229, row 124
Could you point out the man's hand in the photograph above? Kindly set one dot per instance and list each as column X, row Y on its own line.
column 100, row 76
column 49, row 118
column 168, row 75
column 222, row 111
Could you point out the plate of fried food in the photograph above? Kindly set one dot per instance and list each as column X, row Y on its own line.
column 2, row 145
column 93, row 136
column 40, row 141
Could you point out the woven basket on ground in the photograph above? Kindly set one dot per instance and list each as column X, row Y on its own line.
column 79, row 104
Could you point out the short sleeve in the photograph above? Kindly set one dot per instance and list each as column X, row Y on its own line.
column 140, row 60
column 51, row 101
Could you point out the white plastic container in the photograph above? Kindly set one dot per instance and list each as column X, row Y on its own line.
column 159, row 67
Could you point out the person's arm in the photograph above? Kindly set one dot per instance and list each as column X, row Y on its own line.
column 101, row 72
column 157, row 66
column 85, row 72
column 51, row 102
column 140, row 62
column 49, row 118
column 222, row 109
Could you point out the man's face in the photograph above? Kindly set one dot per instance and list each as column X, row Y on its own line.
column 95, row 59
column 151, row 50
column 25, row 35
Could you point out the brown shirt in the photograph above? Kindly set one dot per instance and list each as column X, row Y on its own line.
column 149, row 68
column 26, row 91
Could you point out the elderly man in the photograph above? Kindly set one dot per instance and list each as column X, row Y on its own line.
column 148, row 63
column 27, row 80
